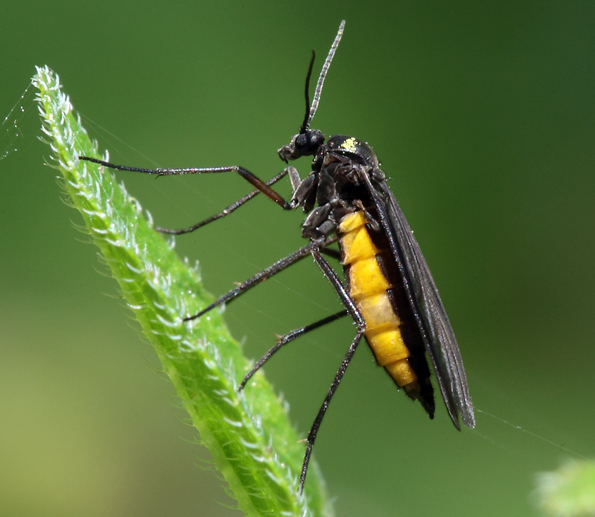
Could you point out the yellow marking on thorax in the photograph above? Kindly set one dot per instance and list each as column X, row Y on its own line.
column 349, row 145
column 367, row 286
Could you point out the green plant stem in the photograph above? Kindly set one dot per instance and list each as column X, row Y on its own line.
column 248, row 433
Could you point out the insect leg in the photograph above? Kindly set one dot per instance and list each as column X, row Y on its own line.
column 361, row 327
column 245, row 173
column 262, row 276
column 287, row 338
column 316, row 425
column 340, row 289
column 226, row 211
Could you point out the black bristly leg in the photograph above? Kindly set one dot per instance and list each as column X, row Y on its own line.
column 244, row 173
column 287, row 338
column 354, row 312
column 333, row 387
column 262, row 276
column 225, row 211
column 335, row 281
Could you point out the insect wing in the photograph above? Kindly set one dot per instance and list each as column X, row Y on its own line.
column 437, row 332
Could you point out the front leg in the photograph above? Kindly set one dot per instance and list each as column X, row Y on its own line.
column 244, row 173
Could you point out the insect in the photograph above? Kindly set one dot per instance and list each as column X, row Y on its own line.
column 387, row 291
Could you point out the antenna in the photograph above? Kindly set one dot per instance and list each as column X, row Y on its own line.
column 322, row 77
column 307, row 117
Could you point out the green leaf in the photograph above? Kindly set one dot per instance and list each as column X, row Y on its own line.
column 248, row 433
column 568, row 491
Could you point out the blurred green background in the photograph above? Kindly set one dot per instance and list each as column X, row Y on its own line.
column 483, row 116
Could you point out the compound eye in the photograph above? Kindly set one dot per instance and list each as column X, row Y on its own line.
column 316, row 138
column 301, row 141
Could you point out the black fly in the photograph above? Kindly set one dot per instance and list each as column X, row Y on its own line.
column 388, row 290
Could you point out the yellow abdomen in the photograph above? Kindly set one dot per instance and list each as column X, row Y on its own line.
column 368, row 287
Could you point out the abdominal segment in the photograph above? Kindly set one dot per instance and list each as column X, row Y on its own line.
column 390, row 329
